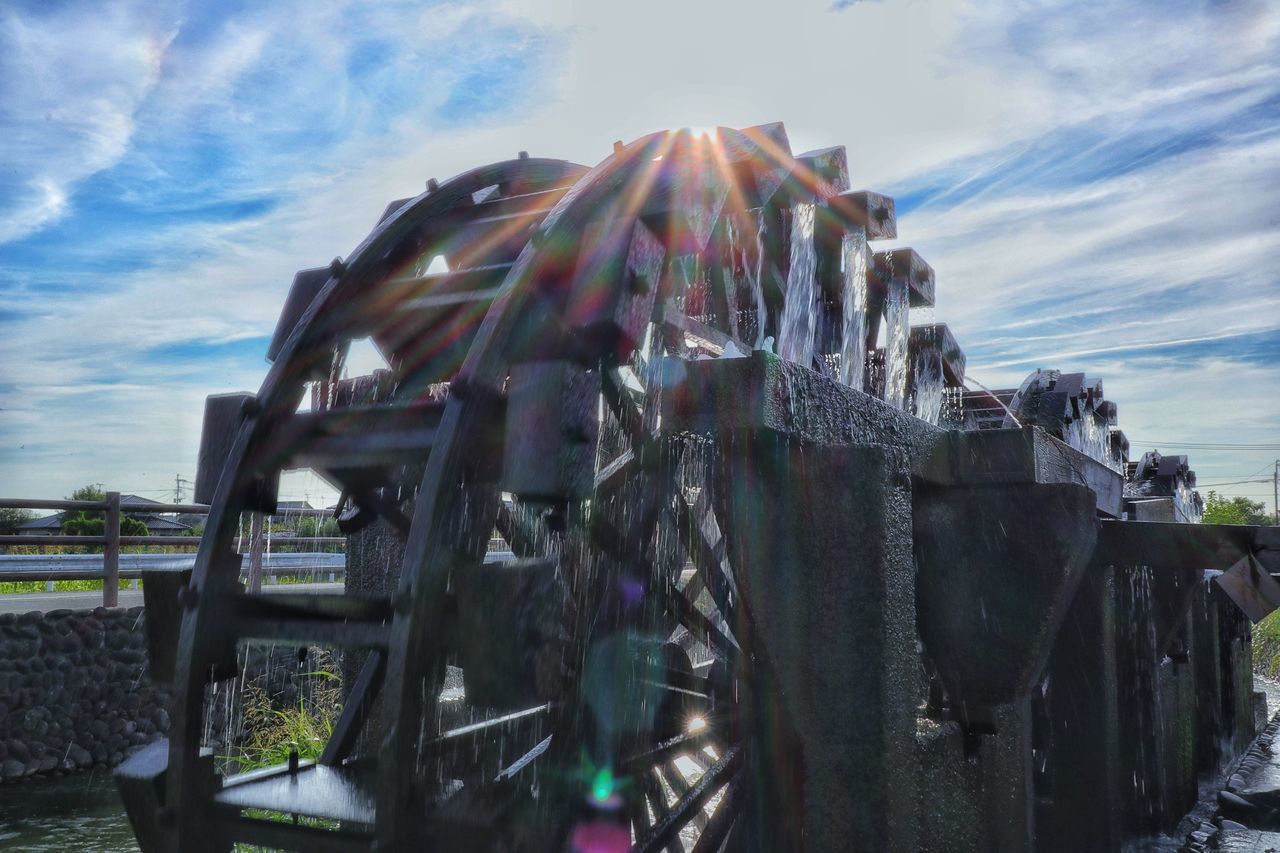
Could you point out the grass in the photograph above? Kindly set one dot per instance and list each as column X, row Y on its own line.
column 1266, row 646
column 24, row 587
column 274, row 733
column 7, row 587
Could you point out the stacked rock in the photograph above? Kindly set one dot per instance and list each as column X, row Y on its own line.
column 74, row 691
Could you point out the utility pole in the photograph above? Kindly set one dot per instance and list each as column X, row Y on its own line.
column 178, row 488
column 1275, row 492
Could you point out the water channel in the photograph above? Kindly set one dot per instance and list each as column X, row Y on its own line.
column 81, row 812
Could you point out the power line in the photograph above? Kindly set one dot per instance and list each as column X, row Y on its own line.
column 1203, row 445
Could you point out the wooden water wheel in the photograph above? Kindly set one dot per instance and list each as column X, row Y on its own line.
column 609, row 650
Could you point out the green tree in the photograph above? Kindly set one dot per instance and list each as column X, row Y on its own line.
column 79, row 525
column 309, row 526
column 84, row 493
column 12, row 519
column 94, row 522
column 1220, row 510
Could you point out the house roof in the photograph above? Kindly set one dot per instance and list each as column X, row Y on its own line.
column 155, row 522
column 49, row 521
column 136, row 500
column 285, row 506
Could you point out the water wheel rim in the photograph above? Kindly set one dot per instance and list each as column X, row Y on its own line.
column 281, row 388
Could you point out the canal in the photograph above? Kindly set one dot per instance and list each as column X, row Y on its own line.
column 81, row 813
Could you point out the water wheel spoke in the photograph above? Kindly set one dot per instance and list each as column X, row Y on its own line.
column 612, row 476
column 355, row 710
column 711, row 545
column 513, row 769
column 671, row 775
column 659, row 805
column 629, row 412
column 474, row 735
column 518, row 529
column 716, row 830
column 705, row 630
column 667, row 827
column 637, row 807
column 684, row 744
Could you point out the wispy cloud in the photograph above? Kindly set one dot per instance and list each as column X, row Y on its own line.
column 70, row 84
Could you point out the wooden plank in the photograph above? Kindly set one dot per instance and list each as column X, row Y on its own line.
column 314, row 790
column 306, row 285
column 318, row 632
column 223, row 414
column 905, row 265
column 872, row 212
column 23, row 503
column 355, row 437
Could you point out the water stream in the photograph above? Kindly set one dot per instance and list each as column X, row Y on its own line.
column 898, row 329
column 800, row 308
column 1090, row 435
column 929, row 385
column 853, row 338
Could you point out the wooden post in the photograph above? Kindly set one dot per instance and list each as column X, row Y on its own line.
column 257, row 542
column 111, row 553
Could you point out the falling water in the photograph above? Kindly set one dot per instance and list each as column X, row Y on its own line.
column 898, row 321
column 757, row 287
column 952, row 416
column 928, row 385
column 800, row 309
column 1091, row 437
column 1186, row 507
column 853, row 339
column 744, row 270
column 1141, row 692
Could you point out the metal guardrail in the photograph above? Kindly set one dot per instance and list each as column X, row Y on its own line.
column 112, row 540
column 62, row 567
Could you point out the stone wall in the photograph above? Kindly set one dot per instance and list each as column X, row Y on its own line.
column 74, row 691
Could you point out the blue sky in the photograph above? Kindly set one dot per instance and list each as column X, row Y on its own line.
column 1095, row 183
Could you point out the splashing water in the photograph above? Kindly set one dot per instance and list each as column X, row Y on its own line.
column 929, row 386
column 853, row 339
column 800, row 309
column 898, row 321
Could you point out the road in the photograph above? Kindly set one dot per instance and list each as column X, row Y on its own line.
column 43, row 601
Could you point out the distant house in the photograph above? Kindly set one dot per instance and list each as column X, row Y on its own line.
column 284, row 522
column 133, row 506
column 49, row 525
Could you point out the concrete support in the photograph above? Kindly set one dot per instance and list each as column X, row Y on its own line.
column 833, row 608
column 1076, row 730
